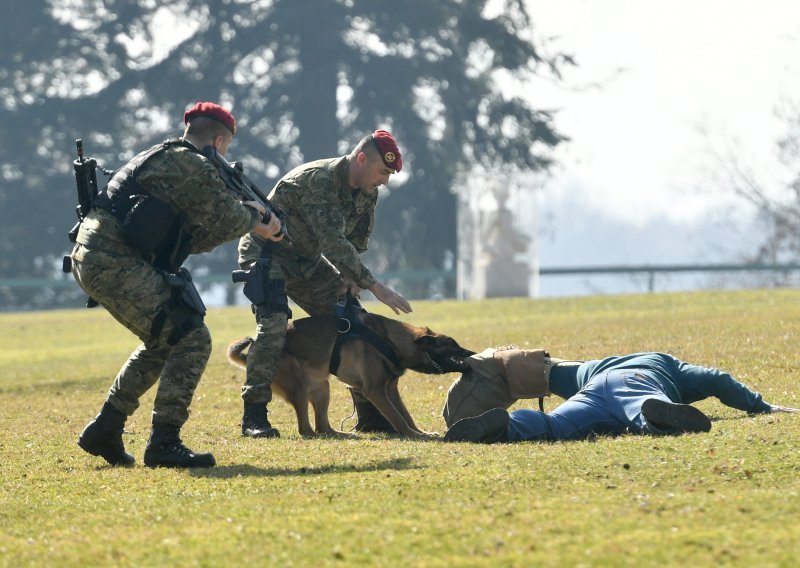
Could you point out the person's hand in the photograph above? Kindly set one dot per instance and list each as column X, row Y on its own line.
column 349, row 286
column 270, row 229
column 391, row 298
column 257, row 206
column 777, row 408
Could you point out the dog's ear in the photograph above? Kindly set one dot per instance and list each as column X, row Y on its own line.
column 427, row 340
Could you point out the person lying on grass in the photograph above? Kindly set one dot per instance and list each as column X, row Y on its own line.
column 641, row 393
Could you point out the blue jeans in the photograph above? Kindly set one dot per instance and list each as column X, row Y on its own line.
column 609, row 404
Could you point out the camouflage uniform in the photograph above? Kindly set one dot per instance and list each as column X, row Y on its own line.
column 325, row 216
column 134, row 292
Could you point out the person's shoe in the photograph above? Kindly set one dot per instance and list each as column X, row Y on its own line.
column 369, row 418
column 165, row 449
column 488, row 428
column 103, row 437
column 255, row 423
column 670, row 417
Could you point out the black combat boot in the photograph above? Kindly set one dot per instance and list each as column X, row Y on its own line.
column 370, row 418
column 672, row 418
column 103, row 436
column 487, row 428
column 255, row 423
column 165, row 449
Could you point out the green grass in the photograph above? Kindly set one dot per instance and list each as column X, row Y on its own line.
column 729, row 497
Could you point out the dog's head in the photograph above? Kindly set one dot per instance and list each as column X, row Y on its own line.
column 443, row 354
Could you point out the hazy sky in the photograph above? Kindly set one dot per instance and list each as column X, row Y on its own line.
column 666, row 69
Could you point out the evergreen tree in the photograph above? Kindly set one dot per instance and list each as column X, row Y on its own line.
column 305, row 78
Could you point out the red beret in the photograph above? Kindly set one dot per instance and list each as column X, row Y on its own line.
column 211, row 110
column 387, row 148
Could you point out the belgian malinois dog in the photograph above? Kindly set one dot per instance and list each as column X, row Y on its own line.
column 303, row 373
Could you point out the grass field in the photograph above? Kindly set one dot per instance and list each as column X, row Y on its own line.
column 729, row 497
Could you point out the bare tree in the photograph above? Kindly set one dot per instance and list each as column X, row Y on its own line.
column 777, row 208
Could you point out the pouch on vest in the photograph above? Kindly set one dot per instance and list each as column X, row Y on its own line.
column 147, row 223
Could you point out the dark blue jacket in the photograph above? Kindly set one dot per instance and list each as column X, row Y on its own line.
column 683, row 383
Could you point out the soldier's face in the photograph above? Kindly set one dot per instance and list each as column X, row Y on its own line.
column 374, row 175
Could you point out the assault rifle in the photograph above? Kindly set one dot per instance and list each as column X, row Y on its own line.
column 232, row 173
column 86, row 185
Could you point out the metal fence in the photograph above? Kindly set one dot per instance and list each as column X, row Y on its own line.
column 398, row 278
column 652, row 270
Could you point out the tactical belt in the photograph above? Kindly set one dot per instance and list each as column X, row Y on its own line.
column 350, row 327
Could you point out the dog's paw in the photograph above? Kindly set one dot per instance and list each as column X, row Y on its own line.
column 427, row 435
column 339, row 435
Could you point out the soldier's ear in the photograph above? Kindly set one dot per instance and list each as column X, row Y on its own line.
column 362, row 159
column 217, row 142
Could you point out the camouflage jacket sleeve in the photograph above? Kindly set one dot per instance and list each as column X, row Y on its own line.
column 321, row 203
column 249, row 250
column 188, row 182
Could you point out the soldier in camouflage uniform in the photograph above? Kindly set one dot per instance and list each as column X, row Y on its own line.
column 137, row 289
column 329, row 208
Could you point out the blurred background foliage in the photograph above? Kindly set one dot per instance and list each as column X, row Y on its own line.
column 305, row 79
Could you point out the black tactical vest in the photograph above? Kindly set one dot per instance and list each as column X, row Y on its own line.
column 148, row 224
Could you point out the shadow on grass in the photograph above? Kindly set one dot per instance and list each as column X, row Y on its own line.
column 736, row 418
column 58, row 387
column 231, row 471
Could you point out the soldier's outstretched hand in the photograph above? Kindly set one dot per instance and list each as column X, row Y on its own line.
column 391, row 298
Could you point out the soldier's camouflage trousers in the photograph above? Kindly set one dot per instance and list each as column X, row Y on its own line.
column 316, row 295
column 134, row 293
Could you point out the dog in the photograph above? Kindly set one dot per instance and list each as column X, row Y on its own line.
column 303, row 373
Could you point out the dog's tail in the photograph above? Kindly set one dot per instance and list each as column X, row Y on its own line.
column 236, row 353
